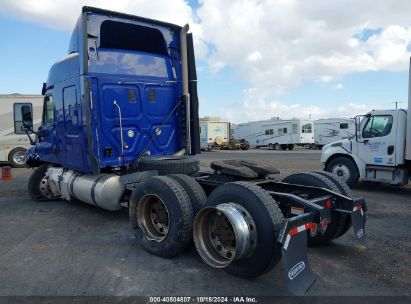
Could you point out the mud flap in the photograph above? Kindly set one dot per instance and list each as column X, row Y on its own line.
column 358, row 224
column 297, row 270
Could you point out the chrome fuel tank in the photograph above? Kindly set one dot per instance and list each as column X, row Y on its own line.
column 103, row 190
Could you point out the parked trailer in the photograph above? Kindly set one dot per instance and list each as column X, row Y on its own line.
column 276, row 134
column 214, row 134
column 330, row 130
column 126, row 135
column 13, row 140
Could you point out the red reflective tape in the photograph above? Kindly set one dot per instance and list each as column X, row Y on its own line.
column 303, row 227
column 293, row 231
column 313, row 228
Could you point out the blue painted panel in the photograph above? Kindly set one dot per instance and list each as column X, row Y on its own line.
column 143, row 108
column 157, row 100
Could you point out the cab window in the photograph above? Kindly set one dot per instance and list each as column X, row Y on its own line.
column 48, row 110
column 377, row 126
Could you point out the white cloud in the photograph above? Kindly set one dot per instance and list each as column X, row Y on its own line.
column 245, row 111
column 338, row 86
column 274, row 45
column 257, row 105
column 63, row 14
column 292, row 40
column 352, row 109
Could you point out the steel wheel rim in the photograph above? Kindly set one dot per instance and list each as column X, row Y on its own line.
column 224, row 233
column 222, row 236
column 342, row 172
column 19, row 157
column 153, row 217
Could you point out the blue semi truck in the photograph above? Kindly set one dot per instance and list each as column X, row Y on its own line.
column 120, row 129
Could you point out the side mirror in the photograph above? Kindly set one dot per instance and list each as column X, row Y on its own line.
column 44, row 88
column 27, row 117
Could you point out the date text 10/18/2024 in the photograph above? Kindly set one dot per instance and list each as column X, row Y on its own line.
column 203, row 300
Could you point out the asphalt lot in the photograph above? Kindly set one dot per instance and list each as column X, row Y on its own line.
column 71, row 248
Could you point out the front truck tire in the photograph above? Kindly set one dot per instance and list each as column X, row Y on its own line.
column 161, row 216
column 338, row 221
column 267, row 217
column 34, row 185
column 345, row 169
column 16, row 157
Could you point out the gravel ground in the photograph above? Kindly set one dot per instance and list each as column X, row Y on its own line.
column 62, row 248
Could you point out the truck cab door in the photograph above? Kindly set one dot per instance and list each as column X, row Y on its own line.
column 377, row 142
column 47, row 145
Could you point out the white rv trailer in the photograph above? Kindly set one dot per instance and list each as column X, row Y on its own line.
column 276, row 134
column 13, row 141
column 214, row 133
column 330, row 130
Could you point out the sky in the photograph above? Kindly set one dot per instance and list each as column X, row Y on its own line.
column 255, row 59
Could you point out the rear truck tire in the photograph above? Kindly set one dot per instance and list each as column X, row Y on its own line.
column 270, row 147
column 338, row 222
column 283, row 147
column 342, row 186
column 290, row 147
column 263, row 211
column 345, row 169
column 195, row 192
column 35, row 181
column 161, row 216
column 16, row 157
column 345, row 190
column 165, row 165
column 277, row 146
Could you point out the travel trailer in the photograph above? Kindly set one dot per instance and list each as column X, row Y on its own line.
column 275, row 133
column 330, row 130
column 13, row 140
column 214, row 133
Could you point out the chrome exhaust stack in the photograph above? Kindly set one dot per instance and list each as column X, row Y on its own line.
column 224, row 234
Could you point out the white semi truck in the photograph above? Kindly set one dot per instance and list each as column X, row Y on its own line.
column 379, row 152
